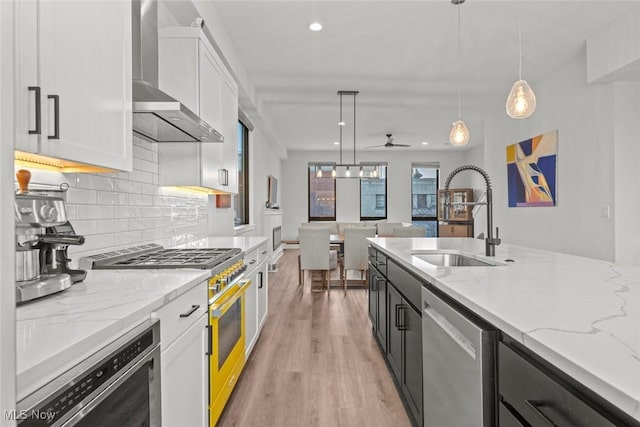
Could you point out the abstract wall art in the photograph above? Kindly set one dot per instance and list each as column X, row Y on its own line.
column 531, row 171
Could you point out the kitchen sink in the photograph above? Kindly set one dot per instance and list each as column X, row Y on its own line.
column 453, row 259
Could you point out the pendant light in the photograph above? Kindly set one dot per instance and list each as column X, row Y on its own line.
column 459, row 135
column 521, row 101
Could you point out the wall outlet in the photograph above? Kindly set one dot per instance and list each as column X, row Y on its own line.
column 605, row 211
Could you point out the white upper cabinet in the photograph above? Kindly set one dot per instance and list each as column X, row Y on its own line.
column 74, row 81
column 192, row 72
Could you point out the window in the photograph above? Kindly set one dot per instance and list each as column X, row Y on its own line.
column 241, row 200
column 373, row 197
column 424, row 197
column 322, row 193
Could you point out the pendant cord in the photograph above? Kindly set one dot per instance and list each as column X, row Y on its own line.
column 459, row 67
column 340, row 126
column 519, row 44
column 354, row 128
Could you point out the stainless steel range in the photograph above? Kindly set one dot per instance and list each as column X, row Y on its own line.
column 226, row 264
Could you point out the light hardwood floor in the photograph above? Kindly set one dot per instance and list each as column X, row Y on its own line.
column 316, row 362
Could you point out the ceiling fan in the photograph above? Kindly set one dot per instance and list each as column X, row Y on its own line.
column 389, row 143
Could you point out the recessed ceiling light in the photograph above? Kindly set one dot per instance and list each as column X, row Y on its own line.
column 341, row 123
column 336, row 143
column 425, row 143
column 315, row 26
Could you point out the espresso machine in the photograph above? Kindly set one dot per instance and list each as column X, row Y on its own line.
column 43, row 235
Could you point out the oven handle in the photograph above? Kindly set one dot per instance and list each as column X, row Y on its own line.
column 218, row 310
column 154, row 356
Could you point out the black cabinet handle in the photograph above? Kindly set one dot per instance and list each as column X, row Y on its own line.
column 56, row 117
column 209, row 340
column 265, row 252
column 38, row 128
column 397, row 316
column 535, row 406
column 403, row 326
column 253, row 261
column 374, row 282
column 261, row 280
column 379, row 263
column 191, row 311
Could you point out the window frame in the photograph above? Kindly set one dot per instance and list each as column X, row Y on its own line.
column 386, row 197
column 245, row 175
column 426, row 218
column 335, row 201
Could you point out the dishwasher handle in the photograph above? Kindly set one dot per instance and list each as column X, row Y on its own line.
column 454, row 333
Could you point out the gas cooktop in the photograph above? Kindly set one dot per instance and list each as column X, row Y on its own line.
column 154, row 256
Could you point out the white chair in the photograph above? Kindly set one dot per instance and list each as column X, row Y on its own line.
column 410, row 231
column 356, row 255
column 386, row 229
column 315, row 254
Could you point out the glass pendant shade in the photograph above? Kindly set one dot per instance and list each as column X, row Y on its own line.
column 521, row 101
column 459, row 134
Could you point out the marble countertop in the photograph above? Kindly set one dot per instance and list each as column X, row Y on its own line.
column 246, row 243
column 581, row 315
column 55, row 333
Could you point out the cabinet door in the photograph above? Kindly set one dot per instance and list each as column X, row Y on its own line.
column 185, row 378
column 28, row 86
column 373, row 298
column 412, row 360
column 85, row 67
column 382, row 312
column 210, row 87
column 394, row 339
column 251, row 314
column 263, row 298
column 229, row 114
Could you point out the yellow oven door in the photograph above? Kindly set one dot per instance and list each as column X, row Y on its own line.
column 227, row 320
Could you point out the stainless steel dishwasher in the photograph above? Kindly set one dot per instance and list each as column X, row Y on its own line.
column 459, row 380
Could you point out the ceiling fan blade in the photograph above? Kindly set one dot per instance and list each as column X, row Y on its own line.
column 401, row 145
column 375, row 146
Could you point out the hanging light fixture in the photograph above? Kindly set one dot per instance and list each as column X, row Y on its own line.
column 459, row 134
column 521, row 101
column 344, row 169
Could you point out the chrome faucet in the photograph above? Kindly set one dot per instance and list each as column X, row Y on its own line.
column 490, row 241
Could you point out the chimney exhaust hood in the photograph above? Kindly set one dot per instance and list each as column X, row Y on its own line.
column 158, row 117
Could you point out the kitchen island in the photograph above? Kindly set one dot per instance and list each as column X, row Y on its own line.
column 580, row 315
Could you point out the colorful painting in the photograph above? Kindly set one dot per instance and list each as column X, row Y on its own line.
column 531, row 171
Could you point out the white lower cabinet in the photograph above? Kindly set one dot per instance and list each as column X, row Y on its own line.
column 185, row 372
column 263, row 291
column 251, row 315
column 185, row 378
column 256, row 296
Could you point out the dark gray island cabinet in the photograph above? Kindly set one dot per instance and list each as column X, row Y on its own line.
column 529, row 391
column 397, row 326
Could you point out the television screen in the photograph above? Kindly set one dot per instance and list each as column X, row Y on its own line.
column 273, row 190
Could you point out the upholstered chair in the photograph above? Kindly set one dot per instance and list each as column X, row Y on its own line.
column 355, row 251
column 386, row 229
column 315, row 255
column 410, row 231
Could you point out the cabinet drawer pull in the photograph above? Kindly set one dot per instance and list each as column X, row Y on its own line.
column 261, row 280
column 403, row 326
column 253, row 261
column 265, row 252
column 38, row 128
column 209, row 340
column 374, row 284
column 535, row 406
column 190, row 312
column 397, row 316
column 56, row 117
column 379, row 263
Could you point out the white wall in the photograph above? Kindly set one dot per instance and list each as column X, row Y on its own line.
column 7, row 233
column 627, row 173
column 584, row 117
column 295, row 183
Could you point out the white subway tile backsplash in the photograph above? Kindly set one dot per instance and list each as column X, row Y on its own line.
column 124, row 209
column 81, row 196
column 95, row 212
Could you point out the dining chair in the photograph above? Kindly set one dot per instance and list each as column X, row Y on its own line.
column 386, row 229
column 315, row 254
column 356, row 255
column 410, row 231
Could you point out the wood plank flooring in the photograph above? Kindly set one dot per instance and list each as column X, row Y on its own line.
column 316, row 362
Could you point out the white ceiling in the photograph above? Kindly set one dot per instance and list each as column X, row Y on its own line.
column 402, row 57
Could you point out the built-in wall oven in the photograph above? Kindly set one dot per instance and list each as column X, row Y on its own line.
column 119, row 385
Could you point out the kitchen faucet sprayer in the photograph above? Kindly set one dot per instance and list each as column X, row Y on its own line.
column 490, row 241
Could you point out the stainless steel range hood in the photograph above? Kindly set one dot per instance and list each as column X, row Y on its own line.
column 158, row 117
